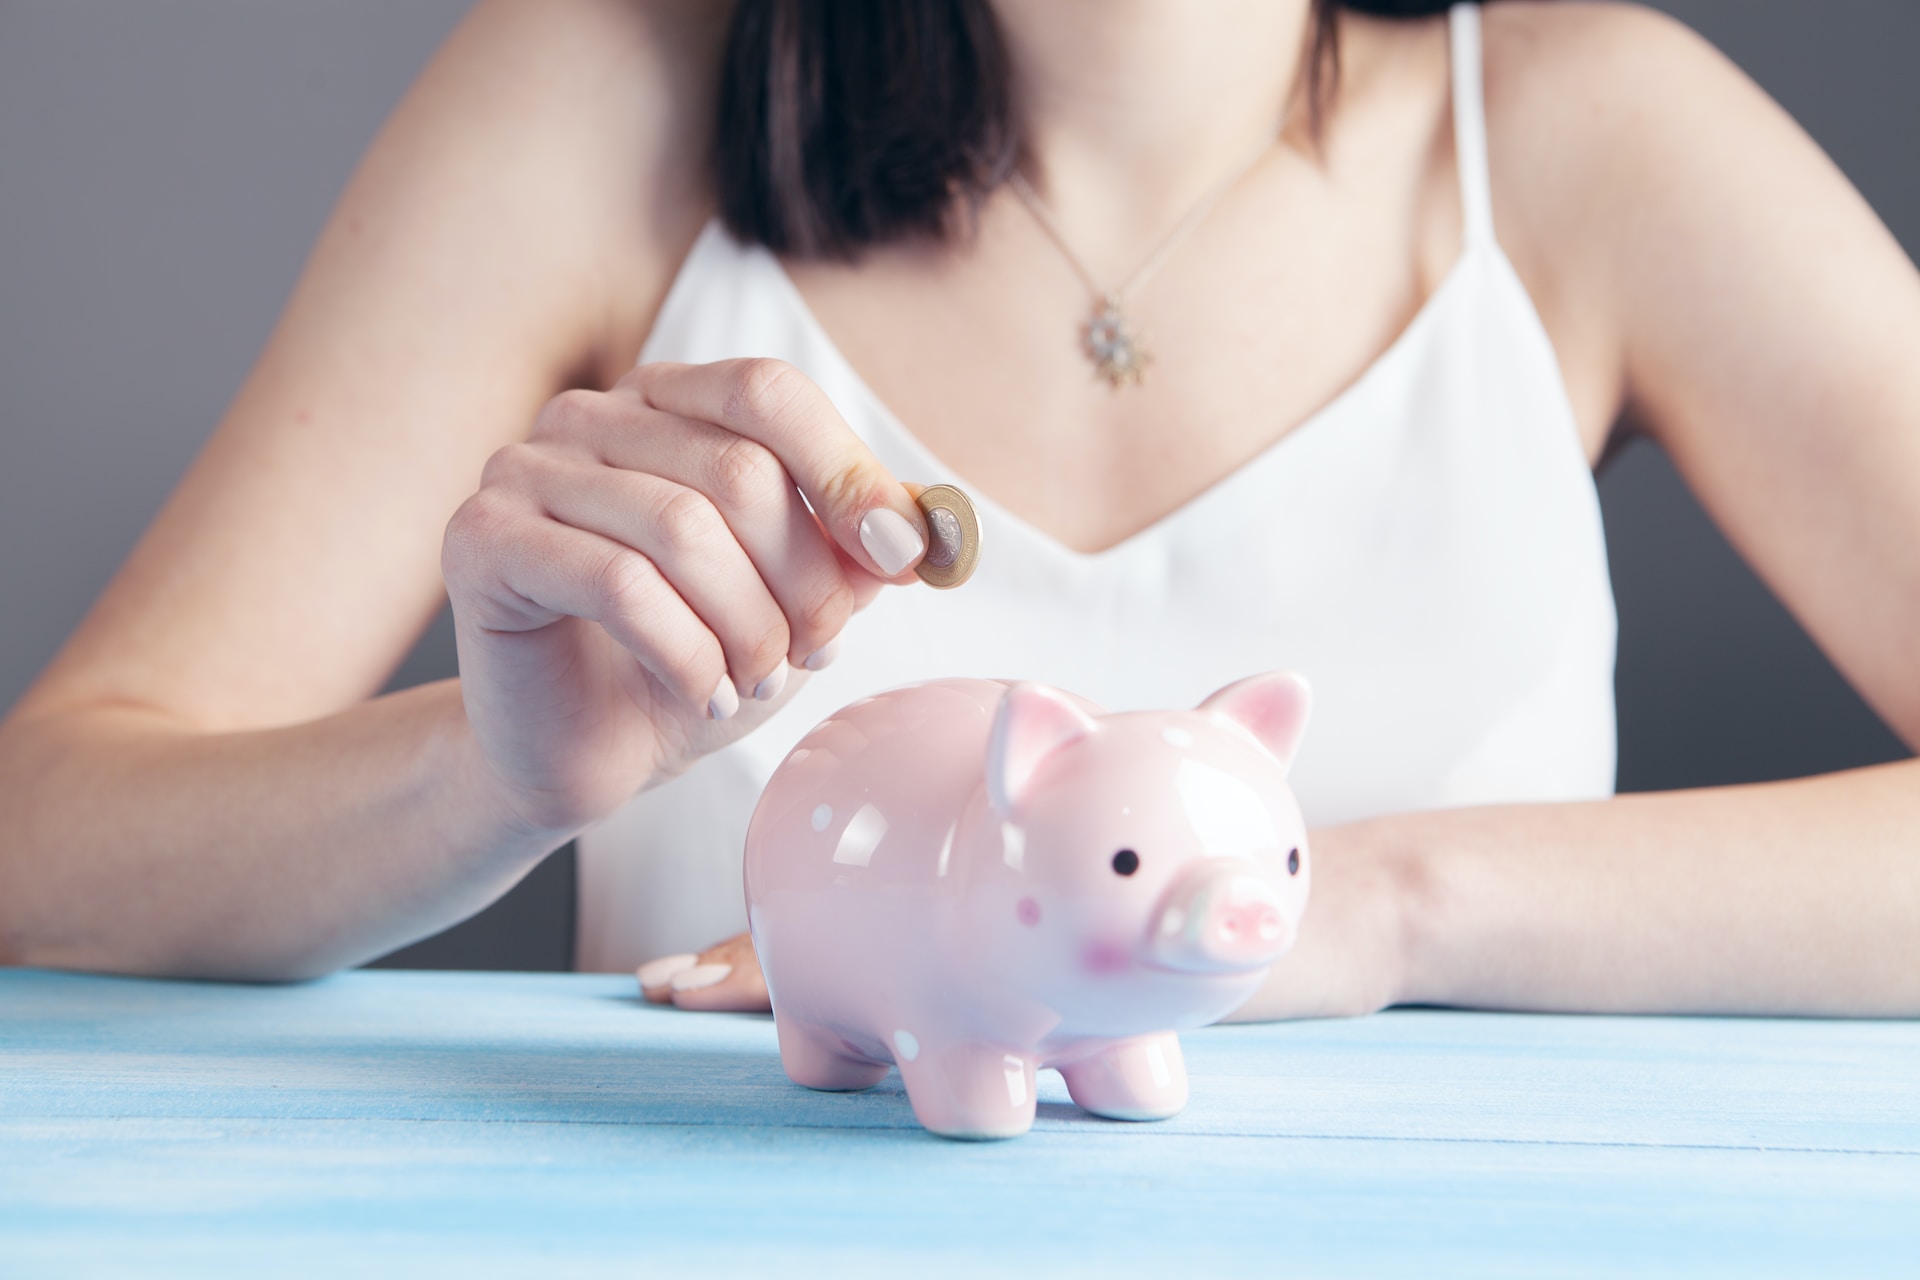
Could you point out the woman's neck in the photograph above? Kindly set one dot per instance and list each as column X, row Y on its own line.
column 1131, row 110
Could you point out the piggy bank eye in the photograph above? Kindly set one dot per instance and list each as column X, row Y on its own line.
column 1126, row 862
column 1293, row 862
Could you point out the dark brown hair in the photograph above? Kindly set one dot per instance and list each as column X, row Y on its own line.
column 849, row 123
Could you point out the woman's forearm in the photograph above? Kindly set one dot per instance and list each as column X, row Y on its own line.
column 130, row 844
column 1796, row 898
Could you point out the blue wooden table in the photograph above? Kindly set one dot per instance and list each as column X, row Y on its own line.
column 521, row 1125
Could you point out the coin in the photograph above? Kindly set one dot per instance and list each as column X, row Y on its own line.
column 953, row 542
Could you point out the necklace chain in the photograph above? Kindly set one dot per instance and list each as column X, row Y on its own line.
column 1118, row 351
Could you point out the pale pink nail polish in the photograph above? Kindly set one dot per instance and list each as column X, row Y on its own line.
column 658, row 973
column 891, row 540
column 701, row 975
column 770, row 688
column 825, row 654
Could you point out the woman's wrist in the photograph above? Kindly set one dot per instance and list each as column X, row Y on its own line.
column 1355, row 953
column 453, row 840
column 480, row 811
column 1389, row 878
column 1401, row 856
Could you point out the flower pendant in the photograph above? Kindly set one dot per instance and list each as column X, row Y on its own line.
column 1117, row 352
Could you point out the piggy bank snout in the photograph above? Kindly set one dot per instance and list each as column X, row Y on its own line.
column 1220, row 918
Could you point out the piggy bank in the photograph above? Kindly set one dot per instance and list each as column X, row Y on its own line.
column 974, row 879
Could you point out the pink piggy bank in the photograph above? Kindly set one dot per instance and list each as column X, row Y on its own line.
column 975, row 879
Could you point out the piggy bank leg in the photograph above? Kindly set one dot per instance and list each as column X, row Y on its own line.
column 969, row 1090
column 819, row 1059
column 1144, row 1078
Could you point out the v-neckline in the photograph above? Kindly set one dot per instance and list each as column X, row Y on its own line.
column 1001, row 517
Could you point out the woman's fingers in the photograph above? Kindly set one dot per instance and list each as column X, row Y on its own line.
column 656, row 976
column 723, row 978
column 518, row 570
column 816, row 587
column 685, row 537
column 720, row 521
column 866, row 512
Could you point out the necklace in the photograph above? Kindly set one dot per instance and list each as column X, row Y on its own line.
column 1108, row 337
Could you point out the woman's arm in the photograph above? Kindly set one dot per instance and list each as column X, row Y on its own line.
column 1798, row 897
column 1767, row 330
column 195, row 785
column 134, row 844
column 633, row 572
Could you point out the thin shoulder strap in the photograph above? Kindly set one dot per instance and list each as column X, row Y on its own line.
column 1470, row 124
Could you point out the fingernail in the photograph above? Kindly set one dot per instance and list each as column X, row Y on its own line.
column 701, row 975
column 658, row 973
column 724, row 701
column 891, row 540
column 823, row 655
column 770, row 687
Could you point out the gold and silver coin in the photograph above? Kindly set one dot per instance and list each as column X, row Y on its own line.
column 953, row 536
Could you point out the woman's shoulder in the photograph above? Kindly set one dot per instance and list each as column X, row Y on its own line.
column 630, row 71
column 1603, row 124
column 1581, row 67
column 1592, row 104
column 1575, row 92
column 591, row 119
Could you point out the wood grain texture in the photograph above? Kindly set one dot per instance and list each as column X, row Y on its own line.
column 480, row 1125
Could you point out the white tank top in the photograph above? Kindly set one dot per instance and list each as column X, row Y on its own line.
column 1426, row 549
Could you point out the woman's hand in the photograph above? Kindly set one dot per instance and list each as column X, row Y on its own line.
column 1348, row 961
column 1351, row 956
column 725, row 978
column 631, row 586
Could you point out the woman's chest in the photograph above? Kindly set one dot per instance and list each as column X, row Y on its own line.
column 983, row 355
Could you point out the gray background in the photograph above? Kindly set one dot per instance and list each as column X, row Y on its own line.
column 165, row 166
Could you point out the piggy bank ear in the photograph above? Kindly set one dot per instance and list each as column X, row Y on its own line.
column 1272, row 707
column 1032, row 723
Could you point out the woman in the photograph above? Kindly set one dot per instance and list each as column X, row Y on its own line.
column 1392, row 315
